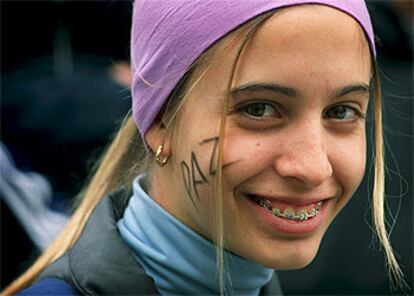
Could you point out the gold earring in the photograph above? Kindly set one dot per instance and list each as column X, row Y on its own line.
column 160, row 161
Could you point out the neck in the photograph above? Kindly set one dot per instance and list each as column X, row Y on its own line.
column 178, row 259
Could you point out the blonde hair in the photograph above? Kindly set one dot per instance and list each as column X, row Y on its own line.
column 395, row 273
column 125, row 158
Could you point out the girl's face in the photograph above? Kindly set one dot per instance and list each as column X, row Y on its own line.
column 294, row 140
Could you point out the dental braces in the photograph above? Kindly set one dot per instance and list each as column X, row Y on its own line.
column 290, row 214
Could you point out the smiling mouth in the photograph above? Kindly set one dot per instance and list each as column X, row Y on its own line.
column 305, row 213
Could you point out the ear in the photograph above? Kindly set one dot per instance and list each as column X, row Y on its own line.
column 157, row 135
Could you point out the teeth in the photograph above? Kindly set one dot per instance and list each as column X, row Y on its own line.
column 303, row 215
column 289, row 212
column 318, row 205
column 313, row 212
column 276, row 212
column 266, row 204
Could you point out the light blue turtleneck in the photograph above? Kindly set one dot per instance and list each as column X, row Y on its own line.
column 178, row 259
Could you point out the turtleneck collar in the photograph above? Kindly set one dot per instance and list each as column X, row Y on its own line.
column 178, row 259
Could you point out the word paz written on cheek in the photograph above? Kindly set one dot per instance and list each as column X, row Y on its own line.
column 193, row 175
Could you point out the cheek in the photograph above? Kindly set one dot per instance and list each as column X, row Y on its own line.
column 193, row 181
column 246, row 155
column 348, row 159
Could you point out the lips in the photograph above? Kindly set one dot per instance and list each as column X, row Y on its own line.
column 290, row 216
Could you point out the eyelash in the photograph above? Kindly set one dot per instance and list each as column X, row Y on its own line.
column 358, row 114
column 244, row 107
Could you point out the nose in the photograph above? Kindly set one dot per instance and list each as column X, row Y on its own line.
column 304, row 158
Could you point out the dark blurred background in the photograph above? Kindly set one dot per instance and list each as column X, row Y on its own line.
column 64, row 91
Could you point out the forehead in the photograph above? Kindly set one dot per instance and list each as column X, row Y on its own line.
column 307, row 40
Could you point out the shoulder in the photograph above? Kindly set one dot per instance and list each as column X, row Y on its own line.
column 50, row 286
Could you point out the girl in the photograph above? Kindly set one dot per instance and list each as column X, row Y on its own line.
column 252, row 118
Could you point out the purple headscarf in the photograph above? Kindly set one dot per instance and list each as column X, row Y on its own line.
column 168, row 35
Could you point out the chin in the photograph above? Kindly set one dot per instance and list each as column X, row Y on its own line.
column 290, row 255
column 297, row 262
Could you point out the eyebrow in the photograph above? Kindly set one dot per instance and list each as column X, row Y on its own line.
column 353, row 88
column 254, row 87
column 291, row 92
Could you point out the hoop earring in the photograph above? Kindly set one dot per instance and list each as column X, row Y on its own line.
column 160, row 161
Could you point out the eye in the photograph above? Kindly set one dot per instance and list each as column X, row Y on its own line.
column 343, row 112
column 260, row 110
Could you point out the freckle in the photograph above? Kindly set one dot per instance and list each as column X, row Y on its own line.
column 258, row 144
